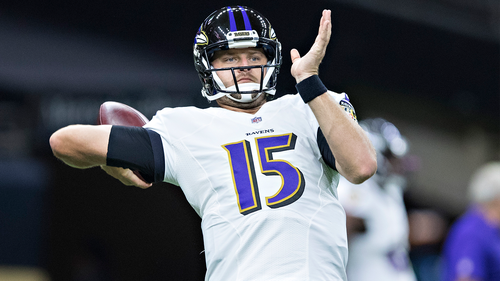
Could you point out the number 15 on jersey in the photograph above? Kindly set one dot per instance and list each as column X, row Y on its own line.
column 243, row 172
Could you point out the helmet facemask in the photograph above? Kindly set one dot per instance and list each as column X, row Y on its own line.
column 246, row 90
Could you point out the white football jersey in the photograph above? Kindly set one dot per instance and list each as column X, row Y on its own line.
column 267, row 200
column 380, row 253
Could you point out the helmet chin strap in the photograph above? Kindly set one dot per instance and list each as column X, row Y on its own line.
column 245, row 87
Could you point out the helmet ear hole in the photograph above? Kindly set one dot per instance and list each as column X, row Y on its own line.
column 235, row 27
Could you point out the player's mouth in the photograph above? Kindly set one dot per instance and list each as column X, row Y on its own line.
column 245, row 80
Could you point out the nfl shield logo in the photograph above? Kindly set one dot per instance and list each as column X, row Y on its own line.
column 256, row 120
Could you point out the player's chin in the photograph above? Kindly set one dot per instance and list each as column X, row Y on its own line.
column 255, row 101
column 243, row 105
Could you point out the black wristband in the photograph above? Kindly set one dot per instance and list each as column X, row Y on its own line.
column 310, row 88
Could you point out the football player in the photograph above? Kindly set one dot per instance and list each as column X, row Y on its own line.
column 261, row 174
column 471, row 251
column 377, row 222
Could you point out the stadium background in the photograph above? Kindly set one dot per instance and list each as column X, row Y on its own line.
column 432, row 67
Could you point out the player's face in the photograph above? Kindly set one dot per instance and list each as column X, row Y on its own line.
column 239, row 58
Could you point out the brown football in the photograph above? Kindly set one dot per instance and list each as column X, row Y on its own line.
column 116, row 113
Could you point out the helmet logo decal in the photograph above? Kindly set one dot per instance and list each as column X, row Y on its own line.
column 201, row 38
column 272, row 33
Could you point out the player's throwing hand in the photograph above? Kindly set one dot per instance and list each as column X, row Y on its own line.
column 126, row 176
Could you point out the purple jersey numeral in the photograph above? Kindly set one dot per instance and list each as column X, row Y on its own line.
column 292, row 179
column 243, row 172
column 242, row 169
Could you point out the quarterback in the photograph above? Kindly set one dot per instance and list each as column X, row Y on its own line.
column 261, row 174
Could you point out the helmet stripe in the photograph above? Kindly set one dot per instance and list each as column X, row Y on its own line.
column 248, row 26
column 232, row 22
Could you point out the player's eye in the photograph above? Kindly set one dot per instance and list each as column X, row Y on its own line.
column 256, row 58
column 230, row 59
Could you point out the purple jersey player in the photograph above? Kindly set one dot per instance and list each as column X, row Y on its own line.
column 472, row 248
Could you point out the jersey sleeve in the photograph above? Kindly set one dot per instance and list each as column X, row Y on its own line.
column 162, row 124
column 344, row 102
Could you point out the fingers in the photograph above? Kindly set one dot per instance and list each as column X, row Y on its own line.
column 326, row 18
column 130, row 178
column 137, row 181
column 126, row 176
column 308, row 65
column 294, row 54
column 322, row 39
column 325, row 30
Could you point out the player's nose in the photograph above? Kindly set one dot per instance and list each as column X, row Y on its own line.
column 244, row 62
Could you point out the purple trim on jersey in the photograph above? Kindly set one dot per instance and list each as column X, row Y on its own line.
column 232, row 22
column 246, row 20
column 472, row 249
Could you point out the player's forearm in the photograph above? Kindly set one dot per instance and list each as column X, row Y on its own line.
column 81, row 146
column 353, row 151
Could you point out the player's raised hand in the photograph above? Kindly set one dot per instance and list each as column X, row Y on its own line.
column 308, row 65
column 126, row 176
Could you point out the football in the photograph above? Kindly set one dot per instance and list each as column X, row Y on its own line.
column 116, row 113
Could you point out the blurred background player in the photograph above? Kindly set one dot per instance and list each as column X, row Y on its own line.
column 428, row 228
column 472, row 248
column 377, row 222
